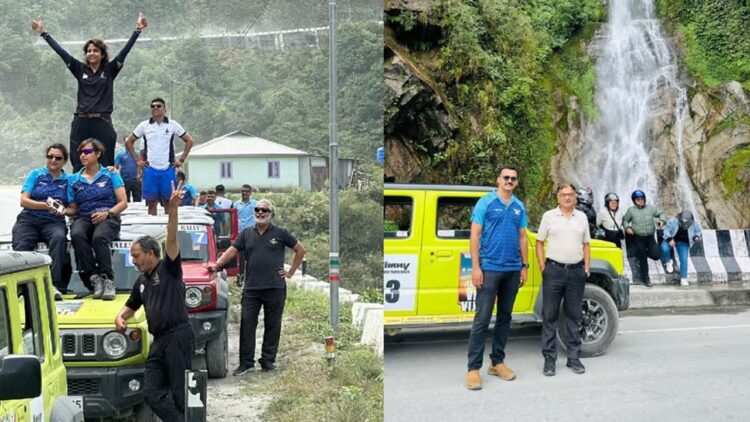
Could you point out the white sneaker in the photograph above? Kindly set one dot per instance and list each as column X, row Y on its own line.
column 684, row 282
column 670, row 267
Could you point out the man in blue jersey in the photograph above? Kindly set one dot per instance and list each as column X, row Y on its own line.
column 129, row 171
column 246, row 216
column 499, row 250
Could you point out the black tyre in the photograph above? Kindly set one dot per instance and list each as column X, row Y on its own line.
column 599, row 324
column 143, row 413
column 217, row 356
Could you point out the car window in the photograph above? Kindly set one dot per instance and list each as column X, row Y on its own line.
column 5, row 336
column 193, row 245
column 454, row 217
column 397, row 216
column 31, row 322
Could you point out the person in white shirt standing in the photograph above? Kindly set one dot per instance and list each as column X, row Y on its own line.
column 159, row 161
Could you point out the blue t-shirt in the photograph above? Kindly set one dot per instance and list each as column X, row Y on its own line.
column 128, row 166
column 499, row 242
column 96, row 196
column 188, row 194
column 40, row 185
column 245, row 213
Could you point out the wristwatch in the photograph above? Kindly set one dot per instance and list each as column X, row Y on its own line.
column 110, row 214
column 525, row 265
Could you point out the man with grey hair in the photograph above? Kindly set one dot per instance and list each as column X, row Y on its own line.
column 265, row 284
column 161, row 291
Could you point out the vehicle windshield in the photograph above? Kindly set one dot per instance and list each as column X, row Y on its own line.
column 193, row 242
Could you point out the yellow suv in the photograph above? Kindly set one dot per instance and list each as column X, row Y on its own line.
column 427, row 267
column 32, row 375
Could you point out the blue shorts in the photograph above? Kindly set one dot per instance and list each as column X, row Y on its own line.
column 157, row 184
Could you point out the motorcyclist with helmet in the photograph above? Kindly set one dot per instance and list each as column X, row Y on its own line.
column 586, row 205
column 680, row 233
column 609, row 219
column 639, row 223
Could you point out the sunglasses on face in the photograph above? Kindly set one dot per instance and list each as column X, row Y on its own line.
column 510, row 178
column 259, row 210
column 87, row 151
column 157, row 105
column 55, row 157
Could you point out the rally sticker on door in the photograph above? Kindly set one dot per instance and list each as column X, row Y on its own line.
column 467, row 293
column 399, row 281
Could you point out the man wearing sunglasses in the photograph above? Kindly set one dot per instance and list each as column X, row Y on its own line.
column 159, row 161
column 265, row 284
column 499, row 250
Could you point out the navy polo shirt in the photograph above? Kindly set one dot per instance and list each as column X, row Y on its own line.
column 99, row 195
column 264, row 254
column 501, row 223
column 40, row 185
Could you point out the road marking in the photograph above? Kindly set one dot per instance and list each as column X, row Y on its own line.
column 671, row 330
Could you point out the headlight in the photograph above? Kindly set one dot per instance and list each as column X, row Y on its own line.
column 193, row 297
column 114, row 344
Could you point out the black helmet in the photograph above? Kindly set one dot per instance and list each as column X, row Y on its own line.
column 611, row 197
column 585, row 196
column 637, row 194
column 685, row 218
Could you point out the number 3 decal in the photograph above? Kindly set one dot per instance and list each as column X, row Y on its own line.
column 391, row 296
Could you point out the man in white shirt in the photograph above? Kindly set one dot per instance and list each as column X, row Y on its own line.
column 221, row 200
column 564, row 273
column 159, row 161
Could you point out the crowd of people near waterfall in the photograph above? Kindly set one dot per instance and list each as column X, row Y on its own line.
column 638, row 226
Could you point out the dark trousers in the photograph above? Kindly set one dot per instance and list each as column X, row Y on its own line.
column 28, row 231
column 99, row 128
column 272, row 301
column 164, row 386
column 614, row 236
column 645, row 248
column 91, row 245
column 133, row 190
column 503, row 287
column 566, row 285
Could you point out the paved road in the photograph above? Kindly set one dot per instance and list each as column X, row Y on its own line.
column 686, row 367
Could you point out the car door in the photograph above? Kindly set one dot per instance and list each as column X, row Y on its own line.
column 402, row 215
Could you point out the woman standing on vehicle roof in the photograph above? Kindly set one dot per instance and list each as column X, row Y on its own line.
column 96, row 78
column 42, row 219
column 97, row 198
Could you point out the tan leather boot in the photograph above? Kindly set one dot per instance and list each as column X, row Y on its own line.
column 502, row 371
column 473, row 380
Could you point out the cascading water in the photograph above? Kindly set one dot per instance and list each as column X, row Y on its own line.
column 634, row 70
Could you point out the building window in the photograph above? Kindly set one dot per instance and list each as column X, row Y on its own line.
column 274, row 169
column 226, row 169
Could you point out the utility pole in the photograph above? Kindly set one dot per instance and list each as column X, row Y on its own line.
column 333, row 172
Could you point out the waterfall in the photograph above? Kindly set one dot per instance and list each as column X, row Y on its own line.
column 635, row 70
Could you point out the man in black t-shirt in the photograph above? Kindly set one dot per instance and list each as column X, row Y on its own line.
column 265, row 284
column 161, row 291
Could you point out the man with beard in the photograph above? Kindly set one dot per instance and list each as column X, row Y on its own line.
column 265, row 284
column 161, row 291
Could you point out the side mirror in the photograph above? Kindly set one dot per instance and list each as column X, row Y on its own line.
column 20, row 377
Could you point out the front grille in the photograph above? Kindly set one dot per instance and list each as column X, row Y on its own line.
column 69, row 344
column 89, row 344
column 83, row 386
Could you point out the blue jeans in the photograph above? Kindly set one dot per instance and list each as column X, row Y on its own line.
column 503, row 287
column 682, row 253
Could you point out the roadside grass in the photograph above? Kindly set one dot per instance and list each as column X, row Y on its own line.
column 307, row 388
